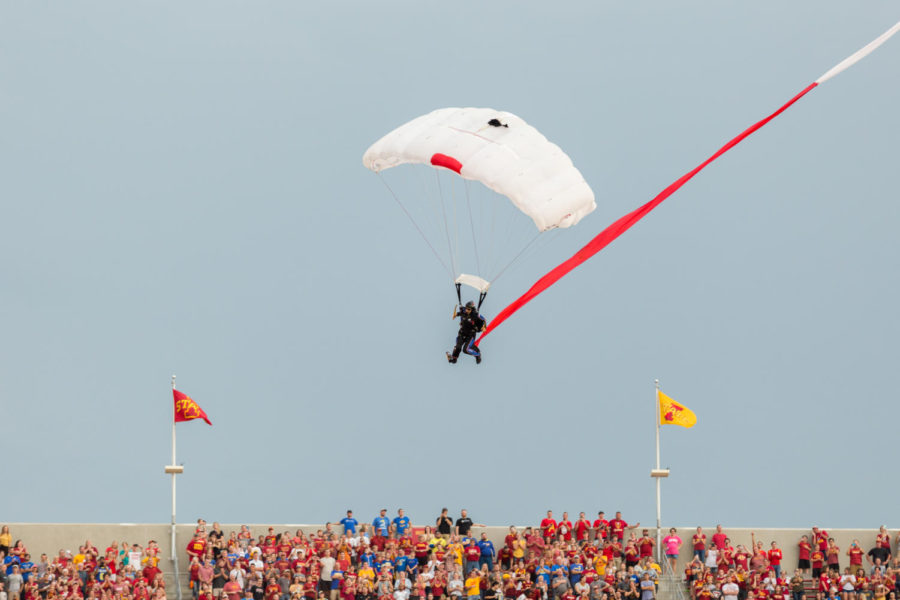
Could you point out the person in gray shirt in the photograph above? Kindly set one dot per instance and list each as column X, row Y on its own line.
column 14, row 583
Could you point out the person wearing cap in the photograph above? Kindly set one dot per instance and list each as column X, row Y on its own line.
column 470, row 324
column 381, row 523
column 350, row 524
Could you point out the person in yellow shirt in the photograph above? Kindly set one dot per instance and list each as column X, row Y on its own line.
column 80, row 557
column 366, row 573
column 600, row 562
column 5, row 539
column 437, row 543
column 473, row 585
column 455, row 549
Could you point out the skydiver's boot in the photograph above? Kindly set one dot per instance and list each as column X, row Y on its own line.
column 451, row 359
column 478, row 360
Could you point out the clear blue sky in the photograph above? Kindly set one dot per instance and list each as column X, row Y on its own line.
column 182, row 192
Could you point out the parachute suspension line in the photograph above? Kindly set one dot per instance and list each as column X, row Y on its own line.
column 517, row 256
column 416, row 225
column 472, row 227
column 494, row 206
column 459, row 293
column 455, row 227
column 481, row 298
column 437, row 177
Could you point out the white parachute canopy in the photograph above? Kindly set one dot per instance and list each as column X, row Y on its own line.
column 498, row 149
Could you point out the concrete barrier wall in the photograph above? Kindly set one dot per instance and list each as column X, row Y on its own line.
column 50, row 538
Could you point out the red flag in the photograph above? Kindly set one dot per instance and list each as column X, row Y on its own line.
column 186, row 409
column 605, row 237
column 609, row 234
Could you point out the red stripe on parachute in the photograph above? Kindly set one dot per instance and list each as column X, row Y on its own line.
column 605, row 237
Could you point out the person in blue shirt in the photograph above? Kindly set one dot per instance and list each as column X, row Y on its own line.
column 9, row 562
column 400, row 563
column 102, row 571
column 557, row 569
column 401, row 523
column 381, row 523
column 576, row 570
column 27, row 568
column 384, row 566
column 337, row 576
column 412, row 567
column 349, row 523
column 487, row 552
column 542, row 572
column 368, row 557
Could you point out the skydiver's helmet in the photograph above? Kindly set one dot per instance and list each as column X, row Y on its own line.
column 470, row 305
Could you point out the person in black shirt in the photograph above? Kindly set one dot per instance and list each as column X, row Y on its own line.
column 444, row 523
column 470, row 324
column 464, row 523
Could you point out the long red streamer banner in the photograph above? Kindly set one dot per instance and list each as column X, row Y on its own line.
column 605, row 237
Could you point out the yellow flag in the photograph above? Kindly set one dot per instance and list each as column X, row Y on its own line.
column 673, row 413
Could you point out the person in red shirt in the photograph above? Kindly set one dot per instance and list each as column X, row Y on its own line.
column 582, row 529
column 820, row 538
column 548, row 526
column 473, row 555
column 817, row 558
column 856, row 555
column 601, row 527
column 646, row 544
column 618, row 526
column 232, row 589
column 632, row 555
column 613, row 550
column 883, row 539
column 824, row 583
column 150, row 572
column 725, row 562
column 197, row 546
column 718, row 538
column 833, row 556
column 273, row 590
column 699, row 543
column 727, row 553
column 804, row 548
column 775, row 557
column 564, row 528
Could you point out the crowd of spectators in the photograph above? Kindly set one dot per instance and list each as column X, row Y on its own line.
column 719, row 570
column 120, row 571
column 389, row 559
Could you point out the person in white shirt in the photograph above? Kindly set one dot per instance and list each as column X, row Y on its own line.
column 402, row 590
column 730, row 590
column 712, row 559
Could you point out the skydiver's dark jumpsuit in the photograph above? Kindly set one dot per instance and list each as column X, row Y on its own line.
column 470, row 323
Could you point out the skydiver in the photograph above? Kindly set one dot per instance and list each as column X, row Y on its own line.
column 470, row 324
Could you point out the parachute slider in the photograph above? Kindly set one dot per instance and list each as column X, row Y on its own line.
column 473, row 281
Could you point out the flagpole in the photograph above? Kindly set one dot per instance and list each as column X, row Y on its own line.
column 174, row 469
column 658, row 496
column 658, row 473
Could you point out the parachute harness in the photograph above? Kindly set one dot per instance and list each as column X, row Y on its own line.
column 481, row 296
